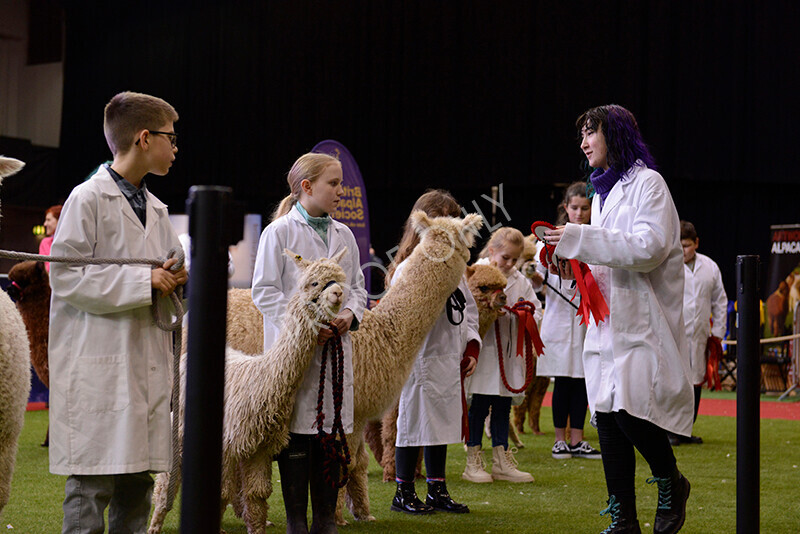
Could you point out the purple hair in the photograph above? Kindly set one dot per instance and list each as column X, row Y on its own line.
column 623, row 139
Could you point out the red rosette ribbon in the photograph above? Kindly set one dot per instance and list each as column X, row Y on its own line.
column 592, row 304
column 713, row 358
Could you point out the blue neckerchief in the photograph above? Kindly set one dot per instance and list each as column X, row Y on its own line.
column 319, row 224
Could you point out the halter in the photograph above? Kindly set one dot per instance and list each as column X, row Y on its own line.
column 326, row 286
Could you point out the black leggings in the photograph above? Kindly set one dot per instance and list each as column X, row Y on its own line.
column 569, row 399
column 619, row 432
column 405, row 459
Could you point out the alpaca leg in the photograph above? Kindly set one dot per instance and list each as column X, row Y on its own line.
column 519, row 415
column 512, row 434
column 372, row 436
column 357, row 488
column 388, row 438
column 256, row 487
column 8, row 453
column 160, row 501
column 535, row 407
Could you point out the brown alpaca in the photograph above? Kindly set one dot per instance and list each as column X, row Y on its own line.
column 32, row 293
column 486, row 283
column 777, row 308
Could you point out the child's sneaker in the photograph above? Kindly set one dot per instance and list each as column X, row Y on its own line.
column 561, row 450
column 584, row 450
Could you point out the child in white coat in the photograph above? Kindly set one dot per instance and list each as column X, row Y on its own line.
column 430, row 408
column 302, row 223
column 486, row 386
column 562, row 335
column 703, row 299
column 636, row 364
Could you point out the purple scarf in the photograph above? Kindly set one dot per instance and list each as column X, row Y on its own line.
column 603, row 181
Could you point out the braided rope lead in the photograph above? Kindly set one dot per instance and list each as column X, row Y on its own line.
column 174, row 327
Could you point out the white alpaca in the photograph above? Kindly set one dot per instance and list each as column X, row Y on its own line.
column 260, row 393
column 15, row 370
column 389, row 337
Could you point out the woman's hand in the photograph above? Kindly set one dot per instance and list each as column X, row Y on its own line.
column 552, row 237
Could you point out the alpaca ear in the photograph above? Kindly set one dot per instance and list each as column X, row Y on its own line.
column 339, row 255
column 297, row 258
column 9, row 166
column 470, row 225
column 420, row 221
column 470, row 271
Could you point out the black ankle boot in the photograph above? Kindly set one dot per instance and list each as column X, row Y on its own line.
column 673, row 491
column 623, row 517
column 440, row 499
column 405, row 500
column 293, row 463
column 323, row 493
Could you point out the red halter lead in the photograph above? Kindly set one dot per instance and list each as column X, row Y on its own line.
column 333, row 449
column 527, row 338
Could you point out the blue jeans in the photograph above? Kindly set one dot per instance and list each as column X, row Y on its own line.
column 498, row 425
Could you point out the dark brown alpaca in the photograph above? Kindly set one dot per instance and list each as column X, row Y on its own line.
column 31, row 290
column 32, row 285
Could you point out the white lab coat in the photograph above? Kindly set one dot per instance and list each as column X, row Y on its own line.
column 562, row 333
column 703, row 298
column 486, row 379
column 275, row 281
column 430, row 402
column 637, row 359
column 110, row 366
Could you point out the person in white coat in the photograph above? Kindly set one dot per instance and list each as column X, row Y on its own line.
column 635, row 361
column 303, row 225
column 110, row 366
column 704, row 298
column 430, row 407
column 563, row 335
column 486, row 387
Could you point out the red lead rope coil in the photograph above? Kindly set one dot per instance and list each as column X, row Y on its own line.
column 527, row 334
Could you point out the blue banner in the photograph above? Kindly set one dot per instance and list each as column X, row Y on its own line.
column 352, row 209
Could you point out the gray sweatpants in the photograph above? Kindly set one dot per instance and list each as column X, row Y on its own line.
column 127, row 498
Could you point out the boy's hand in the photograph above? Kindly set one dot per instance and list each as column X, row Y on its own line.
column 165, row 280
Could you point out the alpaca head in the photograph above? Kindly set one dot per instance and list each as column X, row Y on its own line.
column 442, row 238
column 9, row 166
column 526, row 264
column 486, row 283
column 320, row 285
column 28, row 278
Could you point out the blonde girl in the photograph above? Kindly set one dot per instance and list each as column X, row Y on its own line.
column 302, row 223
column 485, row 386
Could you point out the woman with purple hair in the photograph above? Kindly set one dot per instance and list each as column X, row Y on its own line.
column 637, row 374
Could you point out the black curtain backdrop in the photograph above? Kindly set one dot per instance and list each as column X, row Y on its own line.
column 459, row 95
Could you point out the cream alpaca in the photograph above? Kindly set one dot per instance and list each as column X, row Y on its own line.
column 486, row 283
column 389, row 337
column 15, row 368
column 260, row 392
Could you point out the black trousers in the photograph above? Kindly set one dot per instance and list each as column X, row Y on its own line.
column 569, row 399
column 619, row 432
column 405, row 459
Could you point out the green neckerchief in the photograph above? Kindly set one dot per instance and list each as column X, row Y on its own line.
column 319, row 224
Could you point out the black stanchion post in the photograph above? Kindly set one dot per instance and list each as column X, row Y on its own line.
column 210, row 218
column 748, row 388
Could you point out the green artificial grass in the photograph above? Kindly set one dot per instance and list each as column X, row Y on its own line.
column 566, row 496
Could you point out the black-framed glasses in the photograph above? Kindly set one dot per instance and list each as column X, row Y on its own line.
column 173, row 137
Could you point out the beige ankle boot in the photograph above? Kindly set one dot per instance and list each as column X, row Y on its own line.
column 504, row 466
column 475, row 472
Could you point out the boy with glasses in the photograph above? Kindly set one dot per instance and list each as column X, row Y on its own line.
column 110, row 365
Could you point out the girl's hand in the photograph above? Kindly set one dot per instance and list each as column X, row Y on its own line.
column 564, row 269
column 552, row 237
column 324, row 335
column 343, row 320
column 468, row 365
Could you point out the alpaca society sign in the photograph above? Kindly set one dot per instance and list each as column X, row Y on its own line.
column 352, row 209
